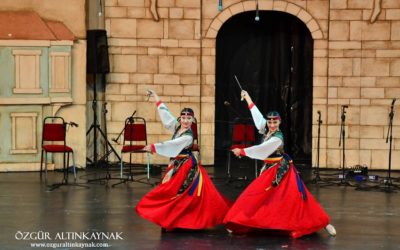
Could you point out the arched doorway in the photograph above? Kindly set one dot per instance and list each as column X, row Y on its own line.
column 273, row 59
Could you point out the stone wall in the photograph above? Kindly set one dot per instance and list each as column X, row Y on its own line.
column 356, row 63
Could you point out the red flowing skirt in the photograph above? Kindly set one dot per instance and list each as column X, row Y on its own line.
column 281, row 209
column 196, row 208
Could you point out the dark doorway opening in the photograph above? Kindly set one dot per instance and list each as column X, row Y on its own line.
column 273, row 60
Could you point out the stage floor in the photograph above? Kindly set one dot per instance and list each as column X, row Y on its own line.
column 30, row 214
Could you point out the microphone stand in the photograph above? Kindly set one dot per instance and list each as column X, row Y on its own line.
column 342, row 141
column 387, row 185
column 317, row 178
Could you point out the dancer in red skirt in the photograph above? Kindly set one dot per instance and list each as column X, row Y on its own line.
column 277, row 200
column 186, row 197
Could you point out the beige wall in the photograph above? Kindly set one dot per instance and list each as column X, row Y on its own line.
column 70, row 12
column 356, row 63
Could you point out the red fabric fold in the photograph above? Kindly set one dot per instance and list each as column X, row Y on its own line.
column 163, row 207
column 280, row 208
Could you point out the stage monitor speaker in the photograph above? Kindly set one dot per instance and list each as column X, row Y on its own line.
column 97, row 52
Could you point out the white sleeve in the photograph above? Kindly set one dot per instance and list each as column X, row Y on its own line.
column 173, row 147
column 167, row 119
column 263, row 150
column 258, row 119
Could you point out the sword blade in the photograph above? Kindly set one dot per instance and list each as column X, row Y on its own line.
column 240, row 86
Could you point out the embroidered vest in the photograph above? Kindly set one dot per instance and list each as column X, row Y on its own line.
column 187, row 132
column 280, row 150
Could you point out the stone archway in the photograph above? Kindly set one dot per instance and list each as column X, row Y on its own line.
column 282, row 6
column 212, row 30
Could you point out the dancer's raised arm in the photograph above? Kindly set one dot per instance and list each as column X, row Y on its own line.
column 167, row 119
column 258, row 118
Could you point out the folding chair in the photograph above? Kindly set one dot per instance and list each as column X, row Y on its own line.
column 55, row 131
column 135, row 139
column 242, row 137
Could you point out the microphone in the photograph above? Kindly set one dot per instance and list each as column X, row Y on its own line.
column 228, row 104
column 319, row 112
column 73, row 124
column 394, row 100
column 100, row 12
column 257, row 18
column 345, row 106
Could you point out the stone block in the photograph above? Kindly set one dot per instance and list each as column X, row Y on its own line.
column 392, row 92
column 134, row 3
column 124, row 63
column 125, row 28
column 141, row 78
column 379, row 30
column 142, row 90
column 191, row 13
column 173, row 90
column 391, row 4
column 395, row 30
column 207, row 112
column 393, row 14
column 169, row 43
column 136, row 12
column 368, row 82
column 373, row 144
column 186, row 65
column 208, row 90
column 320, row 92
column 372, row 93
column 373, row 115
column 375, row 67
column 351, row 81
column 150, row 29
column 147, row 64
column 395, row 67
column 318, row 9
column 181, row 29
column 191, row 90
column 208, row 65
column 345, row 45
column 338, row 4
column 333, row 158
column 128, row 89
column 187, row 3
column 166, row 64
column 359, row 4
column 115, row 11
column 387, row 81
column 121, row 110
column 118, row 77
column 176, row 13
column 166, row 79
column 340, row 67
column 149, row 42
column 372, row 132
column 320, row 66
column 346, row 15
column 318, row 81
column 339, row 30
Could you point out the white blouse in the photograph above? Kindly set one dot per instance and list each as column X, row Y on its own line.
column 269, row 146
column 173, row 147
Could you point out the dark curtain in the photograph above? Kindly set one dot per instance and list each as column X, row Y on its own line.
column 273, row 60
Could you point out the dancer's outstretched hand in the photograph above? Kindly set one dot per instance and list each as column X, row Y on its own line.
column 245, row 95
column 236, row 151
column 147, row 148
column 151, row 92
